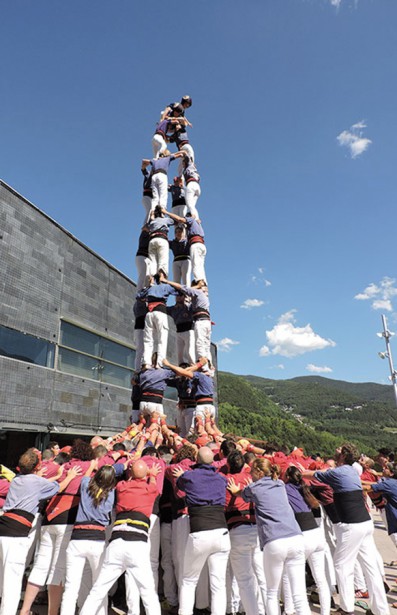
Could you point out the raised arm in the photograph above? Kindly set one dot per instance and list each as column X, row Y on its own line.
column 164, row 114
column 173, row 284
column 179, row 154
column 174, row 216
column 188, row 372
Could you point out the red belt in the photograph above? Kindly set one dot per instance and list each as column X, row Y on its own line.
column 18, row 518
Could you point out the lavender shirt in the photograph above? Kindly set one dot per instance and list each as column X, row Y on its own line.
column 274, row 516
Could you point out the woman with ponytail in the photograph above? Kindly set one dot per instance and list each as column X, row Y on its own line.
column 302, row 501
column 87, row 543
column 280, row 537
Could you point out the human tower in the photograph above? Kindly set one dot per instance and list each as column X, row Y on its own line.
column 193, row 374
column 217, row 512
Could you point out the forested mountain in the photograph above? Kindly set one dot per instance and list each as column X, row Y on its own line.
column 313, row 412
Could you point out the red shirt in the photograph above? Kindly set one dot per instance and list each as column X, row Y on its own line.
column 185, row 464
column 136, row 494
column 236, row 502
column 74, row 486
column 4, row 487
column 52, row 468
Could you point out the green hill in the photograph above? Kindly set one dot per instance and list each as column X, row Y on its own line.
column 245, row 410
column 313, row 412
column 369, row 391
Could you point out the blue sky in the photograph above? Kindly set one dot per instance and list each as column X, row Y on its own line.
column 294, row 130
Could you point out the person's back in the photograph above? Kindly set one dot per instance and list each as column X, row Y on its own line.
column 209, row 539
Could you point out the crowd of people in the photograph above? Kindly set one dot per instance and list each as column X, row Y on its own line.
column 187, row 519
column 208, row 522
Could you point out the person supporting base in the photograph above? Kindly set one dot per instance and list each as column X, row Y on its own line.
column 128, row 547
column 209, row 538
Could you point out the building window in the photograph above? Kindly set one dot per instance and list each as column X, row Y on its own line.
column 90, row 355
column 17, row 345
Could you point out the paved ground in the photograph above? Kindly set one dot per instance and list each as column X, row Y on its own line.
column 386, row 548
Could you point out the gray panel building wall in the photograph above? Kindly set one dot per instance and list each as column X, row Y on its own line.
column 47, row 276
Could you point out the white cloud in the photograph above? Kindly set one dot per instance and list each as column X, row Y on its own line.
column 316, row 369
column 226, row 344
column 251, row 303
column 259, row 278
column 383, row 304
column 354, row 139
column 380, row 295
column 336, row 3
column 287, row 340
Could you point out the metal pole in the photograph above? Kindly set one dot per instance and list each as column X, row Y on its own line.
column 393, row 374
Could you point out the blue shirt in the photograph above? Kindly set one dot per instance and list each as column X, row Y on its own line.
column 156, row 379
column 295, row 498
column 190, row 173
column 203, row 385
column 193, row 227
column 343, row 478
column 157, row 291
column 203, row 486
column 199, row 298
column 388, row 487
column 88, row 511
column 161, row 164
column 274, row 516
column 160, row 225
column 27, row 490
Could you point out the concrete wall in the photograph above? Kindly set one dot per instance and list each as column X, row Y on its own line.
column 47, row 274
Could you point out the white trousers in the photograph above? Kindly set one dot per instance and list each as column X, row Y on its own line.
column 314, row 541
column 187, row 421
column 142, row 264
column 182, row 271
column 190, row 152
column 180, row 535
column 122, row 555
column 233, row 602
column 34, row 537
column 147, row 205
column 197, row 256
column 323, row 523
column 159, row 145
column 202, row 330
column 356, row 541
column 200, row 410
column 138, row 339
column 148, row 407
column 169, row 581
column 13, row 553
column 158, row 255
column 285, row 554
column 212, row 546
column 154, row 547
column 192, row 194
column 49, row 566
column 78, row 553
column 247, row 565
column 185, row 346
column 132, row 590
column 159, row 190
column 155, row 337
